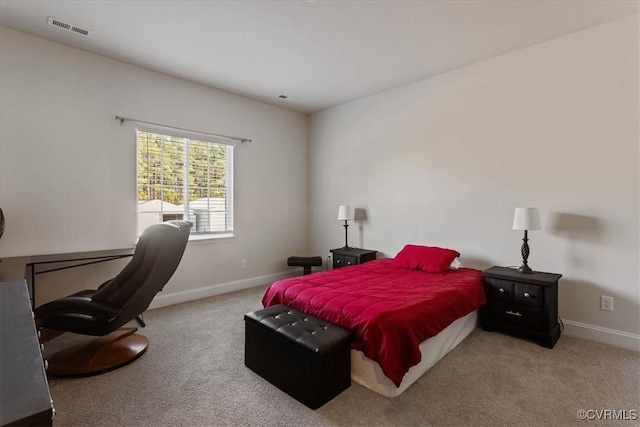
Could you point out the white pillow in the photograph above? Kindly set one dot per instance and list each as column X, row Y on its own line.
column 455, row 264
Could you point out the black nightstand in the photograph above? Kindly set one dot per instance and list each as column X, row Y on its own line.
column 351, row 256
column 524, row 304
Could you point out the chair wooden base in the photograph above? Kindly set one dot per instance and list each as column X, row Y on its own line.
column 99, row 355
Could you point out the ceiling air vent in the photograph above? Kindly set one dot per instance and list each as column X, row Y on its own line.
column 69, row 27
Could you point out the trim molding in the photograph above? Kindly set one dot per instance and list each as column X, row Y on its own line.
column 603, row 335
column 166, row 299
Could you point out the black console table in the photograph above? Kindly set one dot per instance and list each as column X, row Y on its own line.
column 24, row 392
column 66, row 261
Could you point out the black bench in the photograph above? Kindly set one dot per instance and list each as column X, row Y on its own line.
column 306, row 357
column 306, row 262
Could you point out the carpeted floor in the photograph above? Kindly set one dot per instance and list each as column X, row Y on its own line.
column 193, row 374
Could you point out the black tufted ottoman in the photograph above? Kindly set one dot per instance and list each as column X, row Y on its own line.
column 306, row 357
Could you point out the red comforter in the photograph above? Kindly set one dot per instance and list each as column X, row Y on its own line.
column 391, row 309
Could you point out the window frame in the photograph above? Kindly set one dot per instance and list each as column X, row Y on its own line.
column 194, row 235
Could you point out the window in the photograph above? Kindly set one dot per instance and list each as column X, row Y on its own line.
column 183, row 178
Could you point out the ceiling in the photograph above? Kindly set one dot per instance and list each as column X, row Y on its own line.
column 318, row 53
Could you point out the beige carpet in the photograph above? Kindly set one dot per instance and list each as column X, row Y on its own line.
column 193, row 374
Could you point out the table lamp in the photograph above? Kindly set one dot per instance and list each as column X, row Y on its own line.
column 526, row 219
column 345, row 213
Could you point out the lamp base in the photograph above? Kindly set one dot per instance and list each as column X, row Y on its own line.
column 525, row 269
column 346, row 236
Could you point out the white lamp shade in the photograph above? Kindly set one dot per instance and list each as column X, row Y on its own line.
column 345, row 213
column 527, row 219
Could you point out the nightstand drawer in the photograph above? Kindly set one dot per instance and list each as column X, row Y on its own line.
column 343, row 260
column 517, row 314
column 528, row 294
column 501, row 289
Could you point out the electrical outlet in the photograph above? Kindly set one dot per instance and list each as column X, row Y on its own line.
column 243, row 264
column 606, row 303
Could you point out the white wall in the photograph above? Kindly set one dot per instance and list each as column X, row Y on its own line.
column 444, row 161
column 67, row 167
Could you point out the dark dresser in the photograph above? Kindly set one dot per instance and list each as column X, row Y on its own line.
column 351, row 256
column 522, row 304
column 24, row 391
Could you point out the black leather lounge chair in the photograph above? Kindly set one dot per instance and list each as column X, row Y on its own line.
column 102, row 312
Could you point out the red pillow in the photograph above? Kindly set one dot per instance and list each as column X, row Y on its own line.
column 426, row 258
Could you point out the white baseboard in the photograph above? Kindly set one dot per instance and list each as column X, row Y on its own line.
column 603, row 335
column 576, row 329
column 171, row 298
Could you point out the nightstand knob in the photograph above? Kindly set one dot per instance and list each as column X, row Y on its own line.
column 338, row 261
column 527, row 295
column 501, row 290
column 348, row 262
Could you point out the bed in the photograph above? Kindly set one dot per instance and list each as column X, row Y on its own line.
column 407, row 312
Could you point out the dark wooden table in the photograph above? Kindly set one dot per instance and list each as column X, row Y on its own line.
column 343, row 257
column 524, row 304
column 24, row 391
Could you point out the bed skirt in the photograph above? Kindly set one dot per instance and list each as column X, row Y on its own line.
column 368, row 373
